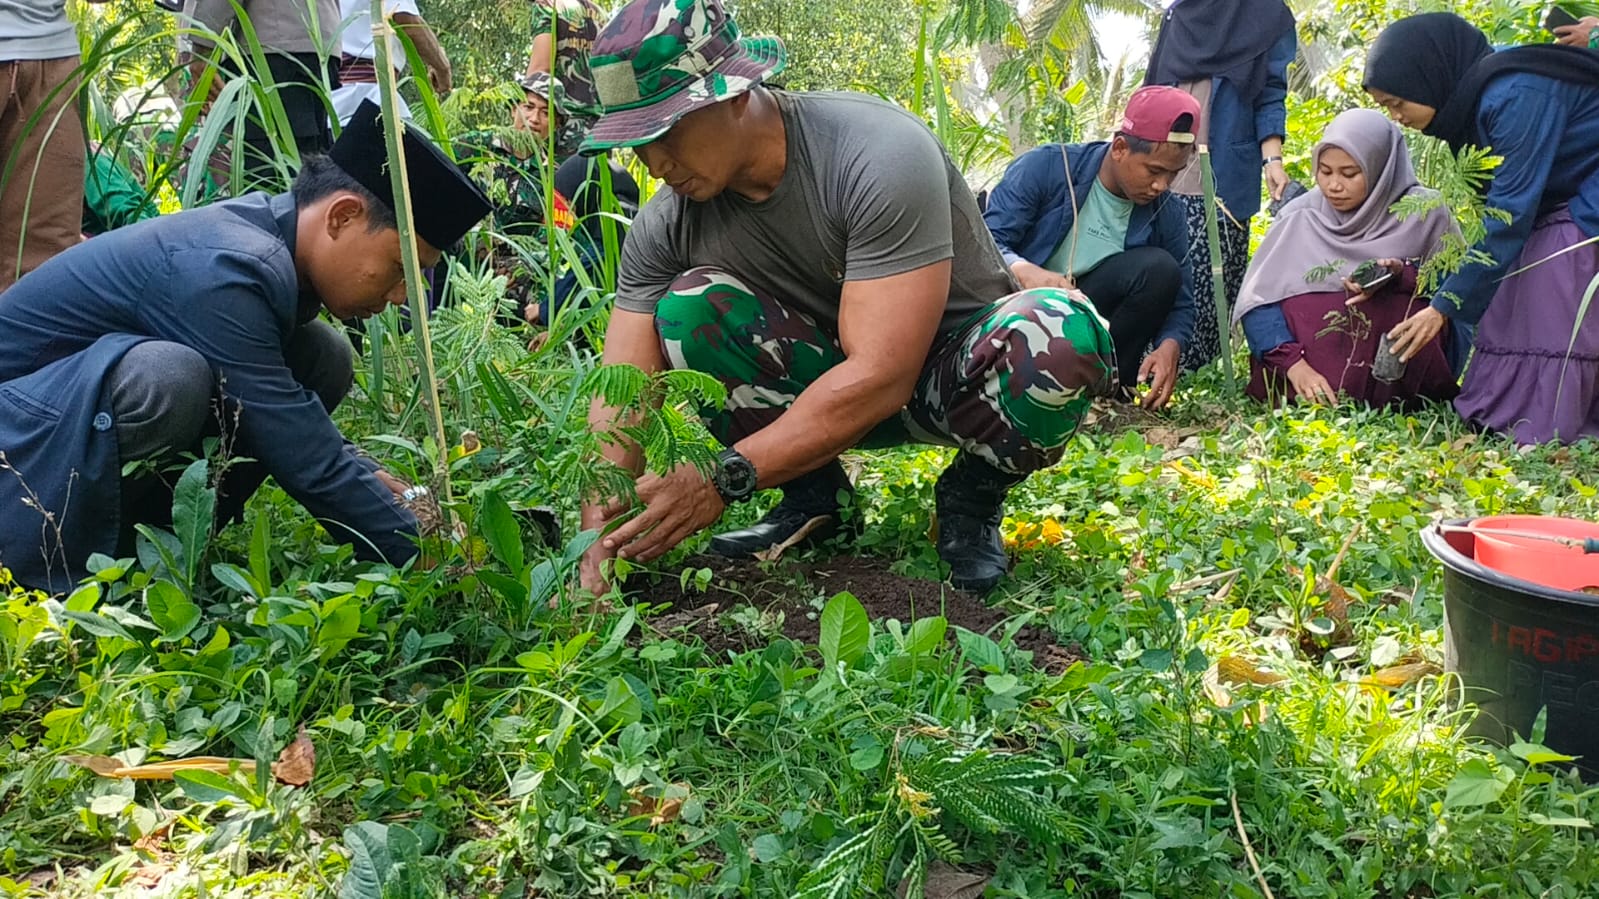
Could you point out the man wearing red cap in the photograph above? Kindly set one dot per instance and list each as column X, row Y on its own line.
column 123, row 352
column 1097, row 218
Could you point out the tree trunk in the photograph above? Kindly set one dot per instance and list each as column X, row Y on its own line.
column 1011, row 105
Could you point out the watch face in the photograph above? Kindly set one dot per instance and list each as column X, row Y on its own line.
column 735, row 475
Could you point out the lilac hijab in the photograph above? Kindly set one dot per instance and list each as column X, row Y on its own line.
column 1311, row 234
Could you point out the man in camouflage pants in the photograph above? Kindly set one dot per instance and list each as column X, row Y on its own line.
column 821, row 256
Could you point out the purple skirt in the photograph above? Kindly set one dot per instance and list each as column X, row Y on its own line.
column 1340, row 343
column 1521, row 380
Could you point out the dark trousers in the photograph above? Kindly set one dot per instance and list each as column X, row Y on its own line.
column 297, row 81
column 162, row 398
column 1134, row 290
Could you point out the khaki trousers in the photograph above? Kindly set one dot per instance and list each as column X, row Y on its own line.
column 41, row 163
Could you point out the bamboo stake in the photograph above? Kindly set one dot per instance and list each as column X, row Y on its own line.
column 1218, row 284
column 393, row 129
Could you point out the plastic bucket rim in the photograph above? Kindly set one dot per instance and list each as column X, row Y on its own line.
column 1434, row 541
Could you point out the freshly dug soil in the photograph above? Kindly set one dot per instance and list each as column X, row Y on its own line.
column 792, row 588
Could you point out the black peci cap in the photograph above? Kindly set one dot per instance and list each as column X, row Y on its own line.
column 444, row 201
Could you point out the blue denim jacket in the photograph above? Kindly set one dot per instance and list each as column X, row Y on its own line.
column 1235, row 130
column 1030, row 212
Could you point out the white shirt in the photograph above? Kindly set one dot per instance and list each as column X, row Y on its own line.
column 356, row 40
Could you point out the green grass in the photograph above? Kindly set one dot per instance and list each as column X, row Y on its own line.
column 480, row 731
column 473, row 740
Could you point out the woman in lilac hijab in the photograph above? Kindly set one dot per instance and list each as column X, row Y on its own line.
column 1312, row 332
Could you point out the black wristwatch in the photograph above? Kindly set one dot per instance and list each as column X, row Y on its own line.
column 734, row 476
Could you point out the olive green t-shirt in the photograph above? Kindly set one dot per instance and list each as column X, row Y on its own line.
column 1100, row 229
column 868, row 192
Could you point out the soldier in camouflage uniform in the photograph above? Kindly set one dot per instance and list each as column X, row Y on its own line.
column 823, row 258
column 566, row 57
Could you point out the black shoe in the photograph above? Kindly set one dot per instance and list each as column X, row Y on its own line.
column 809, row 513
column 970, row 498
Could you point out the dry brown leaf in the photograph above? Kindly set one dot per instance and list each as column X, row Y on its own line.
column 153, row 841
column 297, row 762
column 293, row 767
column 148, row 876
column 773, row 553
column 105, row 766
column 1165, row 438
column 1238, row 670
column 1395, row 676
column 661, row 809
column 1215, row 686
column 945, row 881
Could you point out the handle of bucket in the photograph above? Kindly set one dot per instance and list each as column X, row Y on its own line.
column 1586, row 544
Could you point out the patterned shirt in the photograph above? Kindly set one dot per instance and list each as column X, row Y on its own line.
column 577, row 24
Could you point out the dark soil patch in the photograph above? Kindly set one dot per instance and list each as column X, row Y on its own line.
column 797, row 591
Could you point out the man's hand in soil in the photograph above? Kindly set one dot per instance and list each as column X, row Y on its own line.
column 1160, row 372
column 680, row 504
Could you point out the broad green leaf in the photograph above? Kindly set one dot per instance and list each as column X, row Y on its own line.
column 194, row 504
column 845, row 630
column 234, row 578
column 1547, row 821
column 171, row 611
column 510, row 589
column 83, row 599
column 500, row 528
column 613, row 643
column 370, row 863
column 1540, row 725
column 525, row 781
column 621, row 704
column 983, row 653
column 926, row 635
column 1474, row 784
column 339, row 626
column 208, row 786
column 866, row 758
column 111, row 804
column 1534, row 754
column 1001, row 683
column 769, row 848
column 1156, row 659
column 98, row 625
column 260, row 549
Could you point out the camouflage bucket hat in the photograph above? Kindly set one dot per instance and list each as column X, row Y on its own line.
column 545, row 85
column 658, row 60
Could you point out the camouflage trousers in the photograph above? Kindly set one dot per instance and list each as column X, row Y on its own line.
column 1010, row 385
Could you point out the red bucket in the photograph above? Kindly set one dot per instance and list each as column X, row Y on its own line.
column 1542, row 562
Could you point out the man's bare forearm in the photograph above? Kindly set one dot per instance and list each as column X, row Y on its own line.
column 828, row 417
column 426, row 42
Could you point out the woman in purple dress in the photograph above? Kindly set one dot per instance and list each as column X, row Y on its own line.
column 1312, row 332
column 1535, row 370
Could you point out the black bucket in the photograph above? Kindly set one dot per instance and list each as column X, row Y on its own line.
column 1519, row 647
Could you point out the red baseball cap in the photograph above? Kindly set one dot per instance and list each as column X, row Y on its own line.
column 1163, row 114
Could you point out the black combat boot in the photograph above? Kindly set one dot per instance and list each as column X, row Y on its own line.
column 809, row 501
column 970, row 498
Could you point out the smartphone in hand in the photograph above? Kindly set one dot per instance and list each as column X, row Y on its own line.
column 1370, row 277
column 1558, row 18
